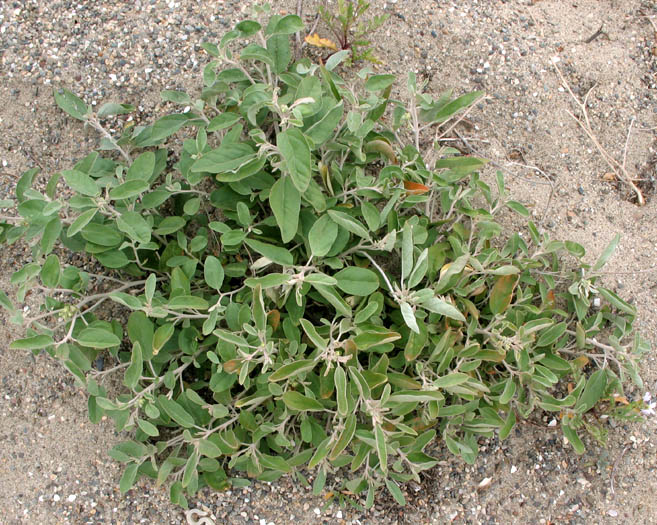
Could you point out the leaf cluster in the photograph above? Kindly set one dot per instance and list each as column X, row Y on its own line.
column 303, row 287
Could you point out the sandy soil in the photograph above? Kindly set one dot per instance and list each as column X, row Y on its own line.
column 53, row 462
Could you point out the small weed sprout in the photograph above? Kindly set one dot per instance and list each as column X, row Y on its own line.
column 351, row 29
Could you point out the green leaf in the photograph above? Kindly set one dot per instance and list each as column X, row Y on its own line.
column 572, row 437
column 279, row 48
column 320, row 278
column 292, row 369
column 615, row 300
column 285, row 202
column 357, row 281
column 509, row 391
column 407, row 250
column 379, row 82
column 50, row 272
column 322, row 130
column 102, row 234
column 451, row 380
column 275, row 463
column 176, row 495
column 182, row 302
column 456, row 105
column 129, row 477
column 275, row 254
column 409, row 316
column 81, row 182
column 415, row 396
column 209, row 449
column 593, row 391
column 312, row 334
column 148, row 428
column 287, row 25
column 34, row 342
column 518, row 208
column 50, row 235
column 133, row 372
column 340, row 380
column 71, row 104
column 25, row 183
column 345, row 437
column 129, row 189
column 297, row 401
column 349, row 223
column 420, row 269
column 551, row 334
column 296, row 153
column 170, row 225
column 177, row 97
column 175, row 411
column 336, row 59
column 223, row 121
column 81, row 221
column 126, row 299
column 442, row 307
column 334, row 298
column 190, row 471
column 381, row 449
column 161, row 336
column 112, row 108
column 134, row 226
column 509, row 423
column 322, row 235
column 213, row 272
column 607, row 253
column 268, row 281
column 395, row 491
column 5, row 302
column 368, row 339
column 227, row 157
column 256, row 52
column 97, row 338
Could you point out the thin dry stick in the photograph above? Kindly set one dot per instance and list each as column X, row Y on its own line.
column 627, row 142
column 652, row 22
column 617, row 168
column 613, row 469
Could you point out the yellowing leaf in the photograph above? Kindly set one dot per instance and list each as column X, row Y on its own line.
column 444, row 268
column 581, row 361
column 317, row 41
column 502, row 292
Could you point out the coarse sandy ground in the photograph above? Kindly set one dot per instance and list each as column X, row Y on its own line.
column 53, row 463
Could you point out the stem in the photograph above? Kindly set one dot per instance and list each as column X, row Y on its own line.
column 93, row 122
column 383, row 274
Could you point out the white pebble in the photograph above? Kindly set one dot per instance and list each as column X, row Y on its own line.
column 56, row 497
column 316, row 511
column 514, row 469
column 338, row 514
column 612, row 512
column 71, row 498
column 485, row 482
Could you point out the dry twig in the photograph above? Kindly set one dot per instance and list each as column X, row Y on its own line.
column 616, row 167
column 613, row 468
